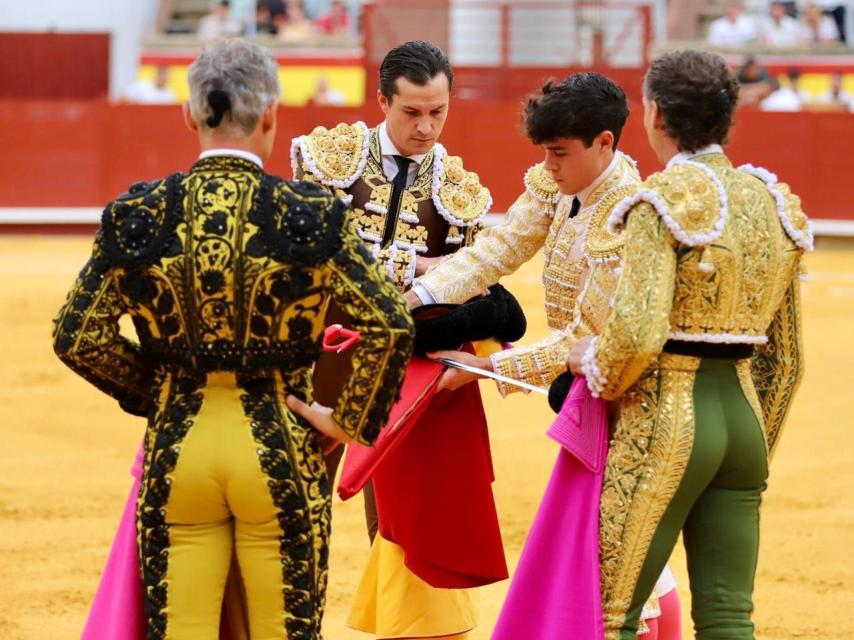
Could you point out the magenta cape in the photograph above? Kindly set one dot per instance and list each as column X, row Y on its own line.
column 554, row 594
column 117, row 611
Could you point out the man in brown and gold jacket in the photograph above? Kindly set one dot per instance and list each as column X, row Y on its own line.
column 412, row 204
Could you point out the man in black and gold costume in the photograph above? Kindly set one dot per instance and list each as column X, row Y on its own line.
column 412, row 204
column 226, row 272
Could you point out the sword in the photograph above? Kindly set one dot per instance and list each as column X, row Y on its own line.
column 489, row 374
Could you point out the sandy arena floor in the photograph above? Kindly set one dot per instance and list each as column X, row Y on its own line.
column 67, row 451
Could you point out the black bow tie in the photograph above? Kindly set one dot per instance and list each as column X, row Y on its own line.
column 576, row 206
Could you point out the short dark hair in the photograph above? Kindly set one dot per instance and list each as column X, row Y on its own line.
column 696, row 94
column 417, row 61
column 582, row 106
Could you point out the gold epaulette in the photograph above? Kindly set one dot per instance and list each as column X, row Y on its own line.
column 459, row 196
column 690, row 199
column 337, row 156
column 540, row 185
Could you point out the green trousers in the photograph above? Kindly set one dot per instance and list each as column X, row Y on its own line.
column 716, row 507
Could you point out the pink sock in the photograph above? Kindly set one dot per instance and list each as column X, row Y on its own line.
column 652, row 634
column 670, row 620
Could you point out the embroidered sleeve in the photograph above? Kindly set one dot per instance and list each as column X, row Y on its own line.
column 636, row 329
column 496, row 252
column 777, row 367
column 538, row 364
column 360, row 287
column 86, row 338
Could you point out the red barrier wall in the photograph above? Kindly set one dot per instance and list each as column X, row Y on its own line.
column 85, row 153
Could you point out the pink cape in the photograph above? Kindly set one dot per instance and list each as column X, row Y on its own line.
column 554, row 594
column 117, row 611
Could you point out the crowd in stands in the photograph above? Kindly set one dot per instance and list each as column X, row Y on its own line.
column 787, row 26
column 760, row 89
column 287, row 20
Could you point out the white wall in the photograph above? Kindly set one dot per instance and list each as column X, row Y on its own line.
column 122, row 19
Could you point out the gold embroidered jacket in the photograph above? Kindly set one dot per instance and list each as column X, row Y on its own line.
column 442, row 210
column 580, row 273
column 229, row 269
column 712, row 254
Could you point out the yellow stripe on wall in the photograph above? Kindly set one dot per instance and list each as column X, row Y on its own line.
column 298, row 83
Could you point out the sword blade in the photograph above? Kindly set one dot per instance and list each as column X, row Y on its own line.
column 490, row 374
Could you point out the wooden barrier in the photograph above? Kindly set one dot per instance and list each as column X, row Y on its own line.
column 84, row 153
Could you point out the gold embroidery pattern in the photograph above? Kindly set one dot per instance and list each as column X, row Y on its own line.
column 777, row 367
column 646, row 461
column 691, row 197
column 600, row 244
column 745, row 381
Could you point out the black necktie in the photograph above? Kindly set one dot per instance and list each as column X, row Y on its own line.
column 397, row 187
column 576, row 205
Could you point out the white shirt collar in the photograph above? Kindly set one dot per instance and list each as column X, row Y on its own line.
column 690, row 155
column 387, row 147
column 236, row 153
column 582, row 195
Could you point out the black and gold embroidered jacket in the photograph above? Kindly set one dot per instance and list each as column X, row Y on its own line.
column 229, row 269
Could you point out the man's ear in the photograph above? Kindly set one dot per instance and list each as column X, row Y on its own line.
column 385, row 105
column 606, row 140
column 657, row 117
column 188, row 118
column 268, row 118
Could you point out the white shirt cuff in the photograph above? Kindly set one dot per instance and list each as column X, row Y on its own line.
column 425, row 296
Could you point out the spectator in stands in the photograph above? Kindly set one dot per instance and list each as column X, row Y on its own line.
column 325, row 95
column 755, row 83
column 295, row 27
column 837, row 95
column 335, row 22
column 218, row 23
column 153, row 92
column 787, row 97
column 817, row 27
column 733, row 29
column 264, row 20
column 836, row 11
column 780, row 30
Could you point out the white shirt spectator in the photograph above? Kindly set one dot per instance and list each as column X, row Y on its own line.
column 723, row 32
column 783, row 99
column 842, row 98
column 785, row 34
column 826, row 32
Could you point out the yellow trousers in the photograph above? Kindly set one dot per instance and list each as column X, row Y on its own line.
column 247, row 478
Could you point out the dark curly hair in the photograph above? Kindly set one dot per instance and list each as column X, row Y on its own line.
column 417, row 61
column 582, row 106
column 696, row 93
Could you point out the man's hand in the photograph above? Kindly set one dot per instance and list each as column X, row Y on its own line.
column 320, row 418
column 455, row 378
column 412, row 300
column 423, row 264
column 573, row 360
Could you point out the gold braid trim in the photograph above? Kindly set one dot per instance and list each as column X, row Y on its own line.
column 777, row 367
column 745, row 380
column 646, row 462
